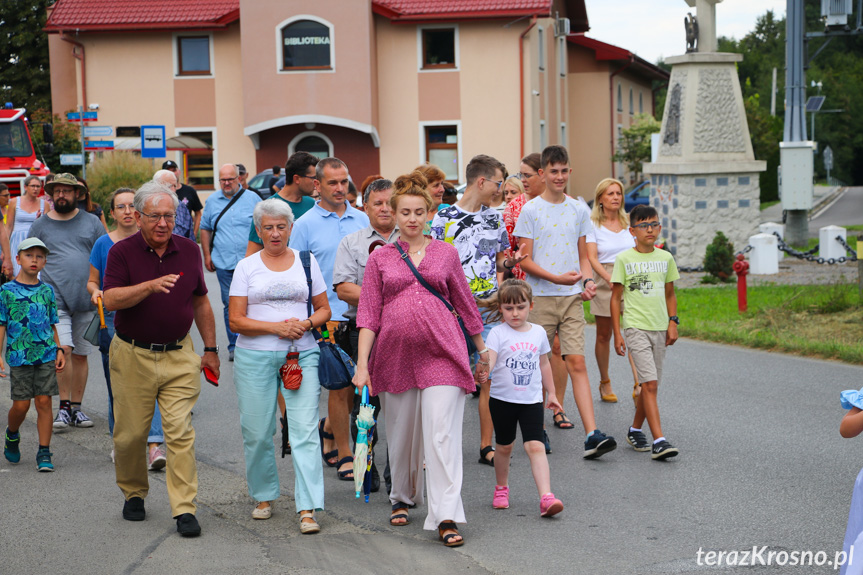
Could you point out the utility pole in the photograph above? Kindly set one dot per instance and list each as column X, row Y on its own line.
column 83, row 151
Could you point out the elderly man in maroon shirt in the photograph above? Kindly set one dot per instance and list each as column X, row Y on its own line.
column 155, row 281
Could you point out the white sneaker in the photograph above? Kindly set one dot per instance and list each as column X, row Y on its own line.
column 156, row 458
column 63, row 419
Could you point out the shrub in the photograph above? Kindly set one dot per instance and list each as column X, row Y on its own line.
column 719, row 257
column 117, row 170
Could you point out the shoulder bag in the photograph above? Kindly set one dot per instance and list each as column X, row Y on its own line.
column 336, row 368
column 471, row 347
column 222, row 213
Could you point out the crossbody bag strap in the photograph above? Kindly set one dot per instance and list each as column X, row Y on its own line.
column 222, row 213
column 424, row 283
column 306, row 259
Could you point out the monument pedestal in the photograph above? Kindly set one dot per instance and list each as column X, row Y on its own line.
column 705, row 178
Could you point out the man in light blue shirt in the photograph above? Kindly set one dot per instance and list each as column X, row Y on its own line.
column 320, row 230
column 223, row 234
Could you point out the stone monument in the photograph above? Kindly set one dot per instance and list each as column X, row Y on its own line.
column 705, row 177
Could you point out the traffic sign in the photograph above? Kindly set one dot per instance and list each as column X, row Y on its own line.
column 828, row 158
column 88, row 116
column 98, row 131
column 72, row 159
column 153, row 142
column 98, row 145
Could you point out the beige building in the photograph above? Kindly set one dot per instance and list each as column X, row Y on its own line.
column 383, row 84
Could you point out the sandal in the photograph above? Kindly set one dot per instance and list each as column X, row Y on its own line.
column 329, row 455
column 343, row 475
column 402, row 509
column 564, row 422
column 307, row 528
column 483, row 455
column 448, row 538
column 286, row 444
column 608, row 398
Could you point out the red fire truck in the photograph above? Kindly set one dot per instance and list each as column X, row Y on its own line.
column 17, row 153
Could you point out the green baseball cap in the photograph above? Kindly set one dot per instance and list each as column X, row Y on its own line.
column 32, row 243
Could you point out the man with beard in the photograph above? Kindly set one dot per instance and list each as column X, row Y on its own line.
column 69, row 234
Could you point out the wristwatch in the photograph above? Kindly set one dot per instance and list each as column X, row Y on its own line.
column 212, row 349
column 584, row 283
column 675, row 319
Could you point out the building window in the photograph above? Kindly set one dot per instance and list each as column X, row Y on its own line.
column 641, row 102
column 540, row 34
column 619, row 98
column 199, row 163
column 306, row 45
column 193, row 56
column 442, row 149
column 314, row 143
column 631, row 106
column 438, row 48
column 543, row 135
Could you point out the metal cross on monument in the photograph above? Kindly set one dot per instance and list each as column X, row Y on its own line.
column 706, row 14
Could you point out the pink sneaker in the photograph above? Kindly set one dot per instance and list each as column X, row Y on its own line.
column 501, row 497
column 549, row 505
column 156, row 458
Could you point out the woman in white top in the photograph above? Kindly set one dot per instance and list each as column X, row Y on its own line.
column 609, row 237
column 268, row 309
column 22, row 212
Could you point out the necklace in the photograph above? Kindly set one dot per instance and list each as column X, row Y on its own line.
column 419, row 252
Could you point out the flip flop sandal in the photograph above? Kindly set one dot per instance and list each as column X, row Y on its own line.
column 403, row 508
column 483, row 453
column 347, row 474
column 326, row 435
column 448, row 539
column 563, row 422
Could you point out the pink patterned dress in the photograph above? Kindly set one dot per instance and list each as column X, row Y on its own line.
column 419, row 343
column 510, row 217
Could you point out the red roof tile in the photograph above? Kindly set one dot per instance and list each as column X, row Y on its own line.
column 433, row 9
column 141, row 14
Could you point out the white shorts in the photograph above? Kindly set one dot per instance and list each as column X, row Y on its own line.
column 71, row 328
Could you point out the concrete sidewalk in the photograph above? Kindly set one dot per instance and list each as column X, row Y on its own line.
column 821, row 195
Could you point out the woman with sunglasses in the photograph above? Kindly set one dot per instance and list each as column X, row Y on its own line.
column 22, row 212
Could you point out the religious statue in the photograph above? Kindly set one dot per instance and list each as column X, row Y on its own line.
column 672, row 123
column 690, row 23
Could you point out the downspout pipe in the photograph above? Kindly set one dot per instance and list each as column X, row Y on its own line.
column 80, row 57
column 521, row 77
column 613, row 108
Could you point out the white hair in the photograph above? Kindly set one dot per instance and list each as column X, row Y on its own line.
column 162, row 174
column 272, row 209
column 149, row 191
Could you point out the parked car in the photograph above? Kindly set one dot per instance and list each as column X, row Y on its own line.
column 637, row 195
column 259, row 183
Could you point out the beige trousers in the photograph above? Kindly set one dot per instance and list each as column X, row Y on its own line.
column 426, row 426
column 138, row 378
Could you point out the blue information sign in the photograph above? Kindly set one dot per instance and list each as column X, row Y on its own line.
column 153, row 142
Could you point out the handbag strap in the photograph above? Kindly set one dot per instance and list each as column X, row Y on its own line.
column 222, row 213
column 306, row 259
column 424, row 283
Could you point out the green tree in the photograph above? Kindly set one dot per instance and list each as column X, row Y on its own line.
column 24, row 76
column 67, row 140
column 765, row 131
column 633, row 148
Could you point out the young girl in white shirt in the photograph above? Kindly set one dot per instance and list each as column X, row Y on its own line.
column 520, row 371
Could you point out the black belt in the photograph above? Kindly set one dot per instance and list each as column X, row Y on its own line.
column 170, row 346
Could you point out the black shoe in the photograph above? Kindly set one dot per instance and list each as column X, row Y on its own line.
column 376, row 479
column 133, row 509
column 637, row 440
column 187, row 525
column 598, row 444
column 663, row 450
column 546, row 442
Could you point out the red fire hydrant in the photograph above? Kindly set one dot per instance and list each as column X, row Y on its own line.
column 741, row 268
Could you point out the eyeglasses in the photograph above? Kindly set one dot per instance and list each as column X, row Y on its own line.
column 498, row 184
column 647, row 225
column 154, row 218
column 227, row 180
column 72, row 192
column 124, row 207
column 523, row 176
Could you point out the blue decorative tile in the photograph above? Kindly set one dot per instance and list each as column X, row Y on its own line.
column 675, row 187
column 674, row 203
column 700, row 182
column 656, row 202
column 665, row 209
column 673, row 250
column 674, row 237
column 673, row 224
column 674, row 179
column 742, row 203
column 664, row 222
column 721, row 203
column 721, row 181
column 700, row 205
column 743, row 181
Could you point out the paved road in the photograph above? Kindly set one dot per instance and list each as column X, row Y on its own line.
column 847, row 210
column 761, row 463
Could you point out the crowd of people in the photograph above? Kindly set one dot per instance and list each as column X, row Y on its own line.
column 433, row 296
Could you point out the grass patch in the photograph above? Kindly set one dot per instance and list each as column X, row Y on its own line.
column 818, row 321
column 851, row 239
column 765, row 205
